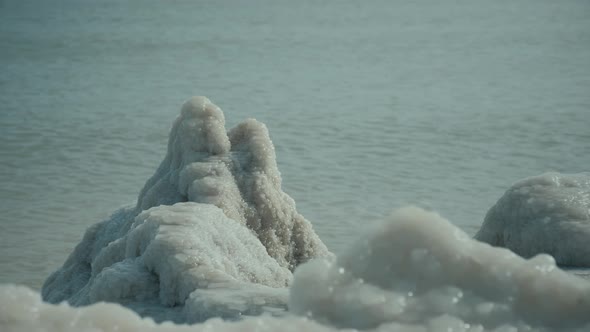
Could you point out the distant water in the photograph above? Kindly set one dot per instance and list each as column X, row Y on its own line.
column 370, row 105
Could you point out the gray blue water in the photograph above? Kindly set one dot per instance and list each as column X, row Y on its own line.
column 370, row 105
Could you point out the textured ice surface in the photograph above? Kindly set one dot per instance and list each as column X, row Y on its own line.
column 418, row 272
column 549, row 213
column 236, row 171
column 179, row 260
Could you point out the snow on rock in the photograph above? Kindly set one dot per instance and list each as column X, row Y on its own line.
column 549, row 213
column 418, row 272
column 213, row 217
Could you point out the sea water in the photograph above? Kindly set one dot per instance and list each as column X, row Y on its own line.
column 214, row 237
column 370, row 106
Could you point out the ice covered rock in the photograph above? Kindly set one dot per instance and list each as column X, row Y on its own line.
column 178, row 263
column 236, row 171
column 237, row 230
column 549, row 213
column 418, row 272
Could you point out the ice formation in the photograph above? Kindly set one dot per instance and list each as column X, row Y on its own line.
column 213, row 218
column 179, row 263
column 236, row 171
column 415, row 272
column 418, row 272
column 549, row 213
column 21, row 310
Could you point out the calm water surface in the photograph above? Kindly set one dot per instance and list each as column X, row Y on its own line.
column 371, row 105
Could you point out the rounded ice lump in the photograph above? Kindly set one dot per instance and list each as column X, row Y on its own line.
column 548, row 213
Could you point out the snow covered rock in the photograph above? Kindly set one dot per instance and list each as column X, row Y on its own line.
column 212, row 218
column 549, row 213
column 418, row 272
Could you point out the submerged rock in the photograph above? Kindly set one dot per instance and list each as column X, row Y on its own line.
column 549, row 213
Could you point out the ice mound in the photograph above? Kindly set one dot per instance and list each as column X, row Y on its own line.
column 213, row 218
column 415, row 272
column 186, row 263
column 418, row 272
column 549, row 213
column 214, row 237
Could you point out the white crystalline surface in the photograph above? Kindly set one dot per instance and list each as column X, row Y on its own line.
column 549, row 213
column 214, row 219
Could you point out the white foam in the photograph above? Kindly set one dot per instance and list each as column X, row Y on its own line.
column 419, row 272
column 549, row 213
column 21, row 310
column 236, row 172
